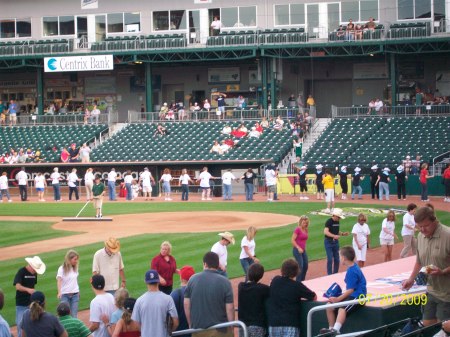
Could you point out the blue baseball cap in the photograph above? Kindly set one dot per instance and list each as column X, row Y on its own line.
column 151, row 277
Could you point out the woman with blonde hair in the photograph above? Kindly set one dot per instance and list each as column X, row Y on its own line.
column 126, row 327
column 361, row 239
column 248, row 246
column 298, row 240
column 166, row 266
column 120, row 296
column 166, row 178
column 67, row 281
column 37, row 322
column 387, row 235
column 89, row 182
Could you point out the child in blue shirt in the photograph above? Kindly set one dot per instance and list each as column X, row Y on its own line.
column 355, row 283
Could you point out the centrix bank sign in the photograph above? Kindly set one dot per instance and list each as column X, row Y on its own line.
column 78, row 63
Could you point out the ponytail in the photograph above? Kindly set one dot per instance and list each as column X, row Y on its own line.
column 126, row 316
column 36, row 311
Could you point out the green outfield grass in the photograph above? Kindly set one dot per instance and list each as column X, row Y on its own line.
column 273, row 244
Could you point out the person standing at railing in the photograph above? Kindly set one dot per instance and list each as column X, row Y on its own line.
column 379, row 106
column 311, row 103
column 220, row 105
column 300, row 103
column 2, row 113
column 216, row 26
column 419, row 99
column 13, row 108
column 95, row 114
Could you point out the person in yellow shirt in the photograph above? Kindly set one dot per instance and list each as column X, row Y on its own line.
column 311, row 103
column 328, row 184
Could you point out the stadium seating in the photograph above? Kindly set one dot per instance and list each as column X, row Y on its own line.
column 376, row 34
column 409, row 30
column 383, row 140
column 190, row 141
column 35, row 47
column 120, row 43
column 46, row 137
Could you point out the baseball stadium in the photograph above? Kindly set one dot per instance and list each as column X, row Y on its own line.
column 191, row 130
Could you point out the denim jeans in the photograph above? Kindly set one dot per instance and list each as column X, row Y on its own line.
column 23, row 192
column 401, row 190
column 19, row 314
column 129, row 192
column 73, row 301
column 332, row 250
column 302, row 260
column 56, row 192
column 384, row 189
column 5, row 192
column 112, row 190
column 184, row 192
column 249, row 188
column 226, row 192
column 424, row 189
column 357, row 189
column 246, row 263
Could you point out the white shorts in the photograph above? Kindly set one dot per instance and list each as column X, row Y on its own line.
column 147, row 189
column 360, row 254
column 386, row 242
column 329, row 195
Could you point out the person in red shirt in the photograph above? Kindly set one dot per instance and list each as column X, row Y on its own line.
column 164, row 263
column 424, row 175
column 258, row 127
column 446, row 177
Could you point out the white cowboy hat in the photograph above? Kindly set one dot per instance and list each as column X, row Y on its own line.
column 357, row 169
column 338, row 212
column 374, row 167
column 343, row 168
column 303, row 167
column 113, row 245
column 319, row 166
column 387, row 169
column 400, row 168
column 36, row 263
column 228, row 236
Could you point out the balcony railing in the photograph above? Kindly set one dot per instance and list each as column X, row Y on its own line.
column 393, row 111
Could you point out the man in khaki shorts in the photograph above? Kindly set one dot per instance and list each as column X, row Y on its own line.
column 98, row 190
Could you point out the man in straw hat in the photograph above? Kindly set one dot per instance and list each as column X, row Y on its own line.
column 220, row 248
column 25, row 281
column 108, row 262
column 331, row 242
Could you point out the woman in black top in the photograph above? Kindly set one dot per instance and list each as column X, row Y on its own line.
column 303, row 185
column 343, row 182
column 374, row 188
column 319, row 176
column 401, row 178
column 249, row 177
column 252, row 298
column 286, row 295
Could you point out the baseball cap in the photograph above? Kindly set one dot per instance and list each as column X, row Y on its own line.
column 63, row 309
column 38, row 297
column 98, row 281
column 186, row 272
column 151, row 277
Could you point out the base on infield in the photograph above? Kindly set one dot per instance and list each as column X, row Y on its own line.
column 87, row 219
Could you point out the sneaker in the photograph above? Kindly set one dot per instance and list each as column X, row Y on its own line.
column 327, row 210
column 269, row 200
column 329, row 331
column 203, row 199
column 208, row 199
column 306, row 198
column 169, row 199
column 9, row 200
column 100, row 216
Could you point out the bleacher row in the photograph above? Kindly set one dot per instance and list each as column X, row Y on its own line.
column 46, row 138
column 226, row 38
column 190, row 141
column 389, row 141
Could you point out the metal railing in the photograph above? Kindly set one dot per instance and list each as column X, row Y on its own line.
column 214, row 327
column 390, row 111
column 356, row 301
column 200, row 115
column 439, row 163
column 65, row 119
column 409, row 30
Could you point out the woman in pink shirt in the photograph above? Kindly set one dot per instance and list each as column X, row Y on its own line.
column 423, row 181
column 299, row 238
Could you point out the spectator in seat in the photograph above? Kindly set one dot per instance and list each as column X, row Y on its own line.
column 358, row 32
column 163, row 111
column 254, row 133
column 206, row 105
column 22, row 157
column 350, row 31
column 278, row 124
column 224, row 147
column 238, row 133
column 379, row 106
column 216, row 148
column 371, row 24
column 181, row 111
column 226, row 130
column 371, row 106
column 160, row 130
column 74, row 153
column 258, row 127
column 264, row 122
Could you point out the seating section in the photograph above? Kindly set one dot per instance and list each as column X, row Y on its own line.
column 140, row 42
column 341, row 34
column 408, row 30
column 35, row 47
column 47, row 137
column 275, row 36
column 190, row 141
column 383, row 140
column 230, row 38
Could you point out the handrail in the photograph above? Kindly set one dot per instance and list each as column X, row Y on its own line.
column 217, row 326
column 439, row 157
column 343, row 304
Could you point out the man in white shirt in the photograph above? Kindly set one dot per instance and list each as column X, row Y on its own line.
column 227, row 178
column 146, row 179
column 216, row 26
column 4, row 189
column 408, row 230
column 102, row 304
column 112, row 177
column 204, row 178
column 56, row 177
column 220, row 248
column 22, row 180
column 72, row 181
column 95, row 113
column 271, row 182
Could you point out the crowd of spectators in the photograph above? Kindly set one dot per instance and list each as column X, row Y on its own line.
column 22, row 156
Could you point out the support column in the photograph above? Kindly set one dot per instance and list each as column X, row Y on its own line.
column 273, row 85
column 148, row 87
column 40, row 90
column 264, row 81
column 393, row 76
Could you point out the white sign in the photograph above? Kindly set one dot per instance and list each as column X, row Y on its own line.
column 78, row 63
column 202, row 1
column 89, row 4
